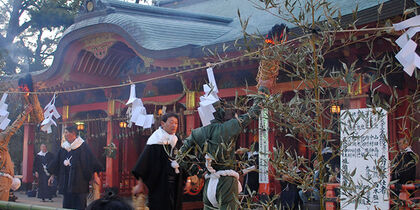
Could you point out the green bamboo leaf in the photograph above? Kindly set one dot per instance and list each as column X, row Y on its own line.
column 380, row 8
column 353, row 172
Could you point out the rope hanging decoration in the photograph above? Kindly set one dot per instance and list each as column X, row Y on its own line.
column 269, row 67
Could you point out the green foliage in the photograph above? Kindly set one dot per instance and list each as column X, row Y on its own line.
column 50, row 14
column 30, row 32
column 324, row 76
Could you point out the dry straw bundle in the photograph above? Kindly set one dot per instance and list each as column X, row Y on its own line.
column 269, row 66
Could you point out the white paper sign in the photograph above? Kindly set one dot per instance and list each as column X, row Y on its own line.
column 263, row 128
column 364, row 146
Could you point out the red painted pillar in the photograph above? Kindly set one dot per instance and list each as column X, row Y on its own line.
column 28, row 153
column 112, row 164
column 193, row 121
column 393, row 132
column 330, row 203
column 402, row 113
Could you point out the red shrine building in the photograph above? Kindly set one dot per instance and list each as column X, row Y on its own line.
column 164, row 50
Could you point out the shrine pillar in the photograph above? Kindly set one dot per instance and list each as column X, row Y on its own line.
column 112, row 163
column 28, row 155
column 403, row 123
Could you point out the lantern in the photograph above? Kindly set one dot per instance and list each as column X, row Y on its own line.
column 80, row 126
column 335, row 109
column 123, row 124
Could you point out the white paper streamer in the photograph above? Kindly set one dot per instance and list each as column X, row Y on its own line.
column 4, row 114
column 49, row 112
column 206, row 108
column 414, row 21
column 407, row 56
column 137, row 112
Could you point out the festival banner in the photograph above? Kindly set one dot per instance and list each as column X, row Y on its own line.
column 263, row 146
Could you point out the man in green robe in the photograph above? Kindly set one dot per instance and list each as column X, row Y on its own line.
column 214, row 144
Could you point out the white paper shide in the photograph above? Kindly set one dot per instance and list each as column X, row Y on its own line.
column 206, row 108
column 4, row 114
column 49, row 112
column 407, row 56
column 137, row 112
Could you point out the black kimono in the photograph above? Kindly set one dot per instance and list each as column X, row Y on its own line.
column 73, row 179
column 251, row 179
column 41, row 162
column 405, row 169
column 165, row 186
column 289, row 197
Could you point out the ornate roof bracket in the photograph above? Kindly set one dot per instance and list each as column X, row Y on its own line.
column 99, row 44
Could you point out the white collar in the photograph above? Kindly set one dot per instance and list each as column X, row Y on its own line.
column 40, row 153
column 76, row 144
column 408, row 149
column 160, row 136
column 326, row 150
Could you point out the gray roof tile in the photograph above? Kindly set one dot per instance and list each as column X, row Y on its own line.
column 159, row 33
column 200, row 24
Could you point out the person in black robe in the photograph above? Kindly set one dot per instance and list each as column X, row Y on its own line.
column 156, row 171
column 289, row 197
column 251, row 179
column 251, row 175
column 404, row 171
column 405, row 164
column 74, row 165
column 42, row 159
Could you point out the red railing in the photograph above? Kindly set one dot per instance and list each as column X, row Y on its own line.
column 331, row 201
column 404, row 195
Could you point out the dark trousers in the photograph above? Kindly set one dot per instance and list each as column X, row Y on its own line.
column 74, row 200
column 156, row 202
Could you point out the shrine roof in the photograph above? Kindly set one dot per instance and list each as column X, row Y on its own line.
column 260, row 20
column 153, row 28
column 181, row 28
column 185, row 24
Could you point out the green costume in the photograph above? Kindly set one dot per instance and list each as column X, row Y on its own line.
column 217, row 142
